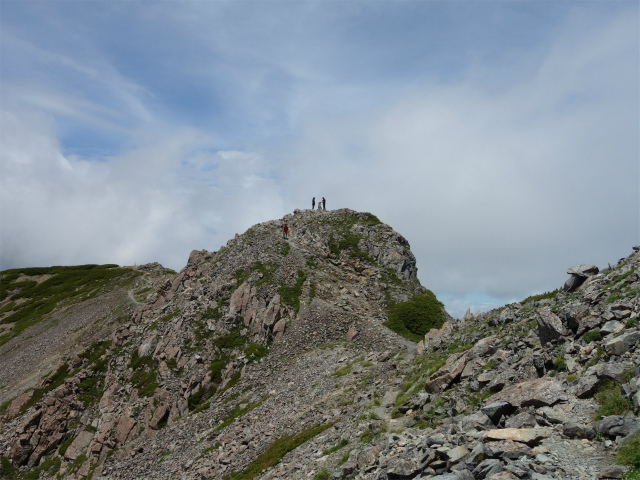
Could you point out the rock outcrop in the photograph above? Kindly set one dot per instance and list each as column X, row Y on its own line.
column 270, row 359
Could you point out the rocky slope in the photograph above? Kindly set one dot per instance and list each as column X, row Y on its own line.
column 271, row 359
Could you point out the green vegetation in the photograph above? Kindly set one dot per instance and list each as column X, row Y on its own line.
column 629, row 454
column 343, row 443
column 276, row 451
column 54, row 380
column 342, row 371
column 66, row 284
column 144, row 375
column 321, row 475
column 621, row 277
column 291, row 295
column 50, row 465
column 559, row 363
column 414, row 318
column 541, row 296
column 611, row 401
column 238, row 411
column 592, row 336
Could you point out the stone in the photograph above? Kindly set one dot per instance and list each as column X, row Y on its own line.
column 550, row 326
column 622, row 344
column 578, row 430
column 487, row 468
column 530, row 436
column 583, row 270
column 148, row 346
column 504, row 475
column 159, row 415
column 617, row 425
column 521, row 420
column 537, row 393
column 496, row 410
column 587, row 386
column 401, row 467
column 612, row 326
column 351, row 334
column 446, row 375
column 17, row 403
column 125, row 425
column 456, row 454
column 79, row 445
column 612, row 471
column 573, row 283
column 509, row 449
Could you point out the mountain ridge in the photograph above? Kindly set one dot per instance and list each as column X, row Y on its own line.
column 272, row 358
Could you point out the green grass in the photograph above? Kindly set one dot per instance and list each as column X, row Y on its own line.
column 611, row 401
column 54, row 380
column 592, row 336
column 237, row 412
column 629, row 452
column 67, row 284
column 414, row 318
column 322, row 475
column 341, row 371
column 343, row 443
column 276, row 451
column 541, row 296
column 291, row 295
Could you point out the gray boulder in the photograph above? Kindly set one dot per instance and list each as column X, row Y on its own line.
column 617, row 425
column 550, row 327
column 578, row 430
column 622, row 344
column 583, row 270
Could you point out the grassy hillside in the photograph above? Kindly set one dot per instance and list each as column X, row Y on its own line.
column 27, row 295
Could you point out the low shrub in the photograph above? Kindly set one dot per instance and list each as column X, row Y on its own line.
column 592, row 336
column 414, row 318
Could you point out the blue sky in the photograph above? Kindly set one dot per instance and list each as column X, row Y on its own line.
column 501, row 138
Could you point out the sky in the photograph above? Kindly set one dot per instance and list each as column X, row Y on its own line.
column 501, row 138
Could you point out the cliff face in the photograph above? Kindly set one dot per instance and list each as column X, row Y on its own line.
column 271, row 358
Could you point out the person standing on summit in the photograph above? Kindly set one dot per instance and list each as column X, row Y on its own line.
column 313, row 203
column 324, row 204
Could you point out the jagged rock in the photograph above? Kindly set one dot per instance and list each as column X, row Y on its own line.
column 550, row 327
column 148, row 346
column 530, row 436
column 613, row 471
column 440, row 380
column 79, row 445
column 622, row 344
column 521, row 420
column 612, row 326
column 617, row 425
column 496, row 410
column 583, row 270
column 587, row 386
column 488, row 468
column 578, row 430
column 537, row 393
column 17, row 403
column 509, row 449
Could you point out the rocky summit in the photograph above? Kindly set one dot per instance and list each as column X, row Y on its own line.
column 315, row 356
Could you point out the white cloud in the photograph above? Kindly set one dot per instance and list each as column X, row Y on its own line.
column 142, row 206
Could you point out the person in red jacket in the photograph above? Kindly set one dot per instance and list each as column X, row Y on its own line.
column 285, row 231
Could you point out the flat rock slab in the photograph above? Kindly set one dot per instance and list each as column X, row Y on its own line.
column 622, row 344
column 530, row 436
column 583, row 270
column 541, row 392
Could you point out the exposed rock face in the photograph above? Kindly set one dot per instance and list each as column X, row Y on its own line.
column 270, row 340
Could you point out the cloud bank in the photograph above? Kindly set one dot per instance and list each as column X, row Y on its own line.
column 503, row 159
